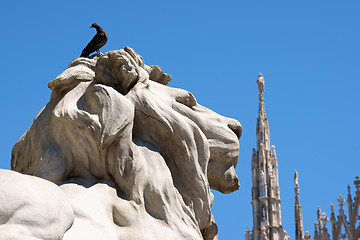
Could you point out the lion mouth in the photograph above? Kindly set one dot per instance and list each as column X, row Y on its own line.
column 222, row 162
column 224, row 152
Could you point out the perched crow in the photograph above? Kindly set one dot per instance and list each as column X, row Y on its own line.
column 97, row 42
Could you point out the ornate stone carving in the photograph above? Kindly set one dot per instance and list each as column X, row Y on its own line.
column 135, row 158
column 265, row 180
column 341, row 226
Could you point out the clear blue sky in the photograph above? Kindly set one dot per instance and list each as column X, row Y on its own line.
column 308, row 52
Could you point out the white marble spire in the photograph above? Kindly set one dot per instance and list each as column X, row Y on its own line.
column 265, row 180
column 299, row 228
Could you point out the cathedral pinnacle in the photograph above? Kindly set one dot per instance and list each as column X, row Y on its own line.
column 299, row 228
column 265, row 180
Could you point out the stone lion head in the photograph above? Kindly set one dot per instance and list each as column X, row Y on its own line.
column 114, row 118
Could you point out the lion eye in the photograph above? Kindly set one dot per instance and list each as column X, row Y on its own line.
column 188, row 100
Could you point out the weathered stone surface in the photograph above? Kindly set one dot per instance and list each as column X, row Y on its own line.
column 141, row 155
column 102, row 213
column 32, row 208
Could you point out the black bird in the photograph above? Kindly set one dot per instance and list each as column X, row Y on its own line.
column 97, row 42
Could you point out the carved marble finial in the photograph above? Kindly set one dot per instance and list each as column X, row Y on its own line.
column 332, row 218
column 296, row 178
column 324, row 219
column 357, row 183
column 318, row 215
column 261, row 85
column 340, row 200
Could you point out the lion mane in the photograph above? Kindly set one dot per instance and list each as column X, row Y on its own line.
column 113, row 118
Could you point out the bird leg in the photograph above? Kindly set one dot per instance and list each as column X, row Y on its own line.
column 98, row 52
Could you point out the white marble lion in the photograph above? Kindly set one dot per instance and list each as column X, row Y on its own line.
column 135, row 158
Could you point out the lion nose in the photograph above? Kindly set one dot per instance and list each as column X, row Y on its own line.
column 235, row 126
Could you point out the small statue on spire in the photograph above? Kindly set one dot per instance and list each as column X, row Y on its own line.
column 261, row 85
column 296, row 179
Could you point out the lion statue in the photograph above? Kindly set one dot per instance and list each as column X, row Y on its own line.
column 135, row 157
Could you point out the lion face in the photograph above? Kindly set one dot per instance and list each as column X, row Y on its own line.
column 221, row 134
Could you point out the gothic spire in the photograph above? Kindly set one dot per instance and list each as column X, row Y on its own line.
column 262, row 128
column 299, row 229
column 265, row 189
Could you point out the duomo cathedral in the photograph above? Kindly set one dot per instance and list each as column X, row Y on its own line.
column 266, row 204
